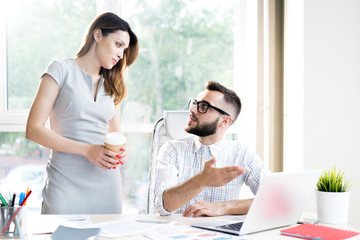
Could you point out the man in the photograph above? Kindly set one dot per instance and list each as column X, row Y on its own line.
column 202, row 174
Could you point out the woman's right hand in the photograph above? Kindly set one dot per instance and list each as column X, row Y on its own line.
column 102, row 157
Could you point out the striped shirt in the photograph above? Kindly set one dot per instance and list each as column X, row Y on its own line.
column 180, row 159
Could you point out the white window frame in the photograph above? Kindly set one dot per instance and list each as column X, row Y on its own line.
column 10, row 121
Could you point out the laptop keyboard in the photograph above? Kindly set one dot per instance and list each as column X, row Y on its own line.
column 233, row 226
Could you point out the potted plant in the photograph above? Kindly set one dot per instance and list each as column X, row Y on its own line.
column 332, row 197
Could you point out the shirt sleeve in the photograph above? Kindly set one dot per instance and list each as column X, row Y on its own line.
column 254, row 170
column 166, row 175
column 55, row 70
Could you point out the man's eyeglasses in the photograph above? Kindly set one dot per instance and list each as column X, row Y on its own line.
column 203, row 106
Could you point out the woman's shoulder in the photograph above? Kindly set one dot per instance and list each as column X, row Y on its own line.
column 63, row 63
column 60, row 69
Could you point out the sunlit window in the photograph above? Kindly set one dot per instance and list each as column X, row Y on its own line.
column 183, row 44
column 38, row 32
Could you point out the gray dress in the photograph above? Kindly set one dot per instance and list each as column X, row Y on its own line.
column 74, row 185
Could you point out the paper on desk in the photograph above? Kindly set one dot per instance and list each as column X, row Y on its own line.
column 75, row 217
column 49, row 223
column 120, row 228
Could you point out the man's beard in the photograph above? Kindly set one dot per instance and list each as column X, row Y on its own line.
column 204, row 129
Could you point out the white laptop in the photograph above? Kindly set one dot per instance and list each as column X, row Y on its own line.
column 279, row 202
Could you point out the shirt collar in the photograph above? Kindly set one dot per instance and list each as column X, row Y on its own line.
column 215, row 148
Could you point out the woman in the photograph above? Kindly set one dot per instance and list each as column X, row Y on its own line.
column 82, row 97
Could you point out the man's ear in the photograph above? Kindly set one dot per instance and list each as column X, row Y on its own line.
column 97, row 35
column 226, row 121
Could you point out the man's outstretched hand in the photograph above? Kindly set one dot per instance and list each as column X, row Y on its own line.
column 215, row 177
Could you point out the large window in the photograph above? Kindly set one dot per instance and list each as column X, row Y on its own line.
column 183, row 44
column 38, row 31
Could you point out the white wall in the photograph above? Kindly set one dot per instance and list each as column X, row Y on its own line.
column 330, row 88
column 294, row 86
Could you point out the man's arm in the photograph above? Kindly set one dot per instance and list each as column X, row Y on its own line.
column 178, row 196
column 218, row 208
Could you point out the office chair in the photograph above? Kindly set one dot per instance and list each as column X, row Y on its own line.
column 170, row 126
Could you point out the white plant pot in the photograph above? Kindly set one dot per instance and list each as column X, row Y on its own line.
column 332, row 207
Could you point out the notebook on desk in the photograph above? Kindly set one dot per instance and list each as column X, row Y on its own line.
column 69, row 233
column 279, row 202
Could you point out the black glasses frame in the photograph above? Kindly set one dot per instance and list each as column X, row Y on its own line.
column 192, row 101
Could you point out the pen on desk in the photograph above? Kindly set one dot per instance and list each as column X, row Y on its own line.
column 26, row 197
column 10, row 197
column 27, row 191
column 21, row 198
column 13, row 199
column 3, row 200
column 16, row 213
column 12, row 204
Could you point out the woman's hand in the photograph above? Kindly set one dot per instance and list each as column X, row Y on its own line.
column 104, row 158
column 123, row 156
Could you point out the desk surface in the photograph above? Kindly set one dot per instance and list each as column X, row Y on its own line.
column 48, row 222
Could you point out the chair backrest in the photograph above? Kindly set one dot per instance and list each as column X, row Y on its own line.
column 170, row 126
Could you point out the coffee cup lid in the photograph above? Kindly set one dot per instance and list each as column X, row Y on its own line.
column 115, row 138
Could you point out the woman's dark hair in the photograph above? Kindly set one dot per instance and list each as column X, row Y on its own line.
column 229, row 96
column 114, row 78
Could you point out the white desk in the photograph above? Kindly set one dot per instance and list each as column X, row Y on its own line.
column 37, row 221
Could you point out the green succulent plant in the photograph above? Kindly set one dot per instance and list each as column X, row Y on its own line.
column 333, row 180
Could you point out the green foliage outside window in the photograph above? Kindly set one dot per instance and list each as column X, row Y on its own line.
column 15, row 144
column 180, row 50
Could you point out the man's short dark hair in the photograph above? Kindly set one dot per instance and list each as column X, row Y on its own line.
column 229, row 95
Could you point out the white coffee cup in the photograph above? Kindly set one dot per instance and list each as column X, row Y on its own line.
column 114, row 141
